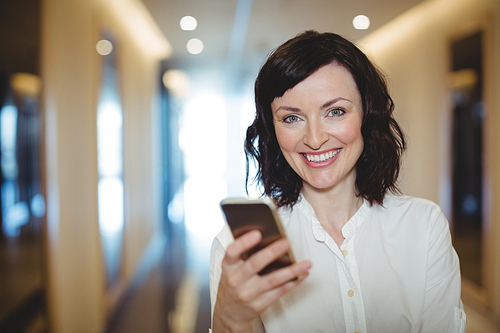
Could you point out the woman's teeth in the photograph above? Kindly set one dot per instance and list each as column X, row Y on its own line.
column 322, row 157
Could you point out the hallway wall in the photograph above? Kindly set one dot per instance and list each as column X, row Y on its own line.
column 78, row 300
column 413, row 50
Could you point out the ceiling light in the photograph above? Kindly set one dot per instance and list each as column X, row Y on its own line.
column 188, row 23
column 361, row 22
column 104, row 47
column 194, row 46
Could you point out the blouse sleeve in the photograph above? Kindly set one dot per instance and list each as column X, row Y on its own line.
column 218, row 251
column 216, row 256
column 443, row 308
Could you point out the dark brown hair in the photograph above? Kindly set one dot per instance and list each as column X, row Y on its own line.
column 377, row 168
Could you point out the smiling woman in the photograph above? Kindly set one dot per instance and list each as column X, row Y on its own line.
column 328, row 151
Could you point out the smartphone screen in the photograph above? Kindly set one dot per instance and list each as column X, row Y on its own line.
column 243, row 215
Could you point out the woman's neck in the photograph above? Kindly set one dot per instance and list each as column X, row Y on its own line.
column 333, row 207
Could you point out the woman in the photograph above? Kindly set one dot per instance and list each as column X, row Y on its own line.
column 328, row 151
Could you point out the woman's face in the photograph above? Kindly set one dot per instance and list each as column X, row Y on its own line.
column 318, row 127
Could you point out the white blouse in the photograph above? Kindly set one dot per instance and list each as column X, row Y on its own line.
column 396, row 271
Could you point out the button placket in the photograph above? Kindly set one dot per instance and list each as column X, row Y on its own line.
column 351, row 289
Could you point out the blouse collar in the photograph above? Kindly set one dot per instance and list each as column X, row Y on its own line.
column 348, row 230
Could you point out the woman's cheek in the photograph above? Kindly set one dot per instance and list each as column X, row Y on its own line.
column 286, row 139
column 347, row 133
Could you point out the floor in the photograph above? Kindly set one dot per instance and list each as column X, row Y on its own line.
column 20, row 271
column 22, row 288
column 478, row 323
column 174, row 296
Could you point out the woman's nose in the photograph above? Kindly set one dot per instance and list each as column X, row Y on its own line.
column 315, row 136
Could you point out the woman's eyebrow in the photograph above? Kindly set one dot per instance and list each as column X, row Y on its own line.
column 287, row 108
column 333, row 101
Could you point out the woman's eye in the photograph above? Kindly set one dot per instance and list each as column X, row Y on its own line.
column 336, row 112
column 291, row 119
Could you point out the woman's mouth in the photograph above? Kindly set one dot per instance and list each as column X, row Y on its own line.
column 318, row 158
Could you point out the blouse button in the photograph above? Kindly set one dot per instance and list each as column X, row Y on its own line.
column 350, row 293
column 345, row 253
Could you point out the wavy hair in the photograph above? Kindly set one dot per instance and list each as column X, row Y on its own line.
column 377, row 169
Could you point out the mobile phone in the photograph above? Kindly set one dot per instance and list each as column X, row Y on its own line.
column 244, row 214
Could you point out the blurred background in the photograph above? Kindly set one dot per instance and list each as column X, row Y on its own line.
column 122, row 126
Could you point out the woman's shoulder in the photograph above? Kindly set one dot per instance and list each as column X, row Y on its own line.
column 402, row 200
column 405, row 204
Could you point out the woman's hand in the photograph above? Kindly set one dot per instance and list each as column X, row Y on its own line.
column 242, row 293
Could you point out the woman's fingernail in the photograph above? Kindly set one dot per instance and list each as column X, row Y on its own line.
column 306, row 264
column 254, row 234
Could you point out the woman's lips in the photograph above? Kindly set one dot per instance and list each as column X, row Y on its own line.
column 322, row 159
